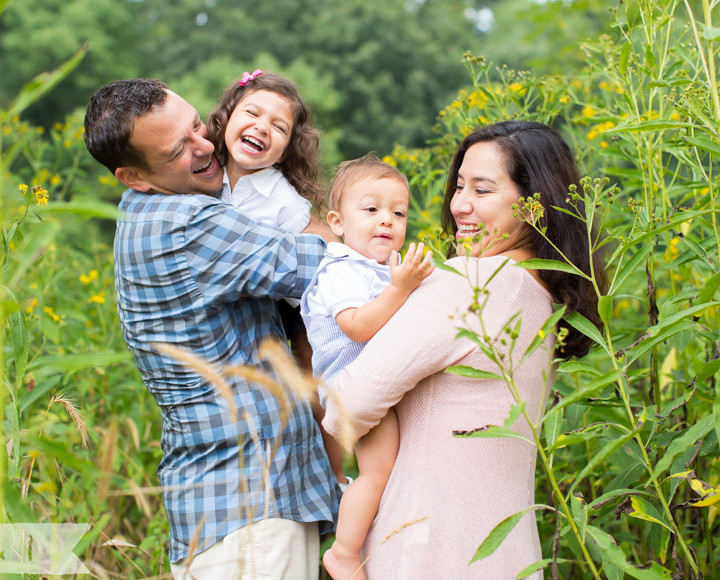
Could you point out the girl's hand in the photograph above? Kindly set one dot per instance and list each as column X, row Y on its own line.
column 406, row 276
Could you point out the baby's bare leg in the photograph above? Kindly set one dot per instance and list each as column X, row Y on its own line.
column 376, row 453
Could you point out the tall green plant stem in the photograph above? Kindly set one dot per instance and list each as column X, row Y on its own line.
column 507, row 376
column 707, row 62
column 4, row 382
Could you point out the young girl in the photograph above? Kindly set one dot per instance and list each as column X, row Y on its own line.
column 359, row 285
column 265, row 140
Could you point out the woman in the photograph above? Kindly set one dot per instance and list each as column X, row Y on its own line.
column 446, row 493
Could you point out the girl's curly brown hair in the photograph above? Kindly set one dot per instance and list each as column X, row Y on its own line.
column 300, row 163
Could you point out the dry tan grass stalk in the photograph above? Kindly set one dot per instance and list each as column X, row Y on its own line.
column 203, row 368
column 192, row 548
column 74, row 415
column 255, row 375
column 133, row 432
column 301, row 383
column 402, row 527
column 140, row 498
column 397, row 530
column 109, row 447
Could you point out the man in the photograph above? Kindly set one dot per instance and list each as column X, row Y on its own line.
column 193, row 272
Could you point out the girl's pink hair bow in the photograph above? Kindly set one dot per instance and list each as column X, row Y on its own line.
column 247, row 77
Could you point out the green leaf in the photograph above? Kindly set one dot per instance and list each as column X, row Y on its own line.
column 709, row 32
column 605, row 308
column 541, row 564
column 579, row 513
column 675, row 221
column 708, row 291
column 679, row 326
column 59, row 451
column 629, row 268
column 644, row 510
column 704, row 144
column 32, row 247
column 542, row 264
column 681, row 443
column 576, row 366
column 655, row 125
column 499, row 533
column 708, row 370
column 548, row 327
column 590, row 388
column 88, row 208
column 3, row 5
column 614, row 554
column 583, row 325
column 473, row 373
column 492, row 432
column 20, row 343
column 441, row 264
column 516, row 409
column 70, row 363
column 624, row 57
column 615, row 493
column 608, row 449
column 43, row 83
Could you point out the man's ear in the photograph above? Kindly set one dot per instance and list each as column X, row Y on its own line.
column 132, row 178
column 335, row 222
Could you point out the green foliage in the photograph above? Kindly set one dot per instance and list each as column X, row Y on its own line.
column 628, row 446
column 629, row 443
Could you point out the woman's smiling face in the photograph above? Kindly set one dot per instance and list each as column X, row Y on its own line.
column 484, row 194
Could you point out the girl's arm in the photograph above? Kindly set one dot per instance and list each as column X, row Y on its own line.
column 360, row 324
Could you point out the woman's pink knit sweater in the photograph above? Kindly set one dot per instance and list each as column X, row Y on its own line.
column 445, row 493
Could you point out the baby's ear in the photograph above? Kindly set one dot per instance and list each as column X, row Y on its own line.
column 335, row 222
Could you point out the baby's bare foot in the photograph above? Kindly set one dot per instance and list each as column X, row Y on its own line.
column 343, row 565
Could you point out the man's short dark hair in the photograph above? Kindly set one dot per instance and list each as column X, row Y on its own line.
column 111, row 115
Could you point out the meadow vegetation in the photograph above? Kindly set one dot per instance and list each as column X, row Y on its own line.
column 628, row 470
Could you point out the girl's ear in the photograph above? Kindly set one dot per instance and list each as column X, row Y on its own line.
column 132, row 178
column 335, row 222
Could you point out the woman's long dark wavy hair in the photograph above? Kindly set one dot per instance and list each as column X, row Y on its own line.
column 300, row 164
column 538, row 160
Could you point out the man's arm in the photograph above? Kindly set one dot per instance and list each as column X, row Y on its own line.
column 230, row 256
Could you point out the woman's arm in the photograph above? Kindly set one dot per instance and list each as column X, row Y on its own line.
column 418, row 341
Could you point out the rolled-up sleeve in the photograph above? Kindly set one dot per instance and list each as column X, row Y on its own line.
column 231, row 256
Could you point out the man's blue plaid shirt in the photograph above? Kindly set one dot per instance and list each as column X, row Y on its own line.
column 193, row 272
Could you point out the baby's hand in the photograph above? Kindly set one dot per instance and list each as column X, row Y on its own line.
column 413, row 270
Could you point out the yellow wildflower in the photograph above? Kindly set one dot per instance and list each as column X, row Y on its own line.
column 389, row 160
column 675, row 117
column 604, row 144
column 30, row 308
column 564, row 100
column 23, row 188
column 588, row 112
column 517, row 88
column 51, row 313
column 41, row 194
column 89, row 277
column 592, row 134
column 55, row 179
column 97, row 298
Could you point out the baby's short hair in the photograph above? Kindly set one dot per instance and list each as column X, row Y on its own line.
column 369, row 166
